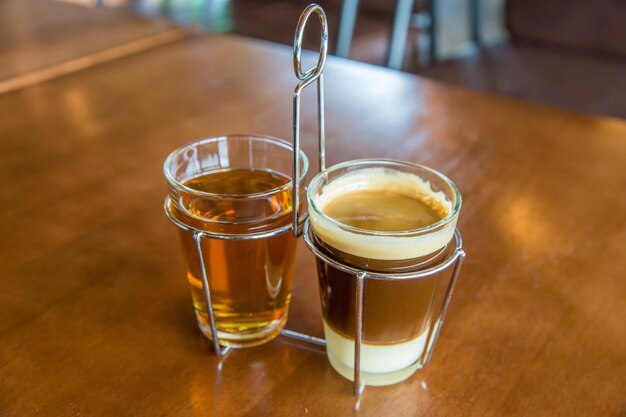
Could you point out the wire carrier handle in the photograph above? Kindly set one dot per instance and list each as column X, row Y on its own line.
column 306, row 78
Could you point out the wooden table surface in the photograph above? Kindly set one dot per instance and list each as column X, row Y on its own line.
column 95, row 313
column 36, row 35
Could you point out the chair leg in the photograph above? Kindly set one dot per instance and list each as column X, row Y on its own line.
column 476, row 21
column 345, row 31
column 431, row 8
column 399, row 32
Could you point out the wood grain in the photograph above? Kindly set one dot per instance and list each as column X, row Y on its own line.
column 95, row 314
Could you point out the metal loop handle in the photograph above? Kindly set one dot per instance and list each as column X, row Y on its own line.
column 311, row 74
column 306, row 78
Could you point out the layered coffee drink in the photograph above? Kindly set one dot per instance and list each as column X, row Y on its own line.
column 381, row 217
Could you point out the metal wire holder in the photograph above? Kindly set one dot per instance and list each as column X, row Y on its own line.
column 300, row 223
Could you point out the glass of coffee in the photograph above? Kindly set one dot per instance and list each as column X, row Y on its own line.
column 393, row 223
column 231, row 197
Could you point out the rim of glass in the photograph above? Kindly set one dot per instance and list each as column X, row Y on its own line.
column 388, row 162
column 235, row 136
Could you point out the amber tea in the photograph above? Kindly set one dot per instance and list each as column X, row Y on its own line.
column 249, row 278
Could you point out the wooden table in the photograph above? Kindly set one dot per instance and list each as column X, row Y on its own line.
column 95, row 313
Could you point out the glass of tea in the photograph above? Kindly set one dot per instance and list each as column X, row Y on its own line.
column 237, row 191
column 389, row 218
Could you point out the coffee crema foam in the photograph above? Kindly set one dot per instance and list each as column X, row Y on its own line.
column 393, row 245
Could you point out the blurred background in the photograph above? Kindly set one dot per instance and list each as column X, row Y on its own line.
column 569, row 54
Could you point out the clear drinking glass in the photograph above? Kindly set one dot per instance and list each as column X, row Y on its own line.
column 237, row 190
column 399, row 315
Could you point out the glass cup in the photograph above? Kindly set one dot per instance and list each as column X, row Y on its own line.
column 400, row 317
column 231, row 198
